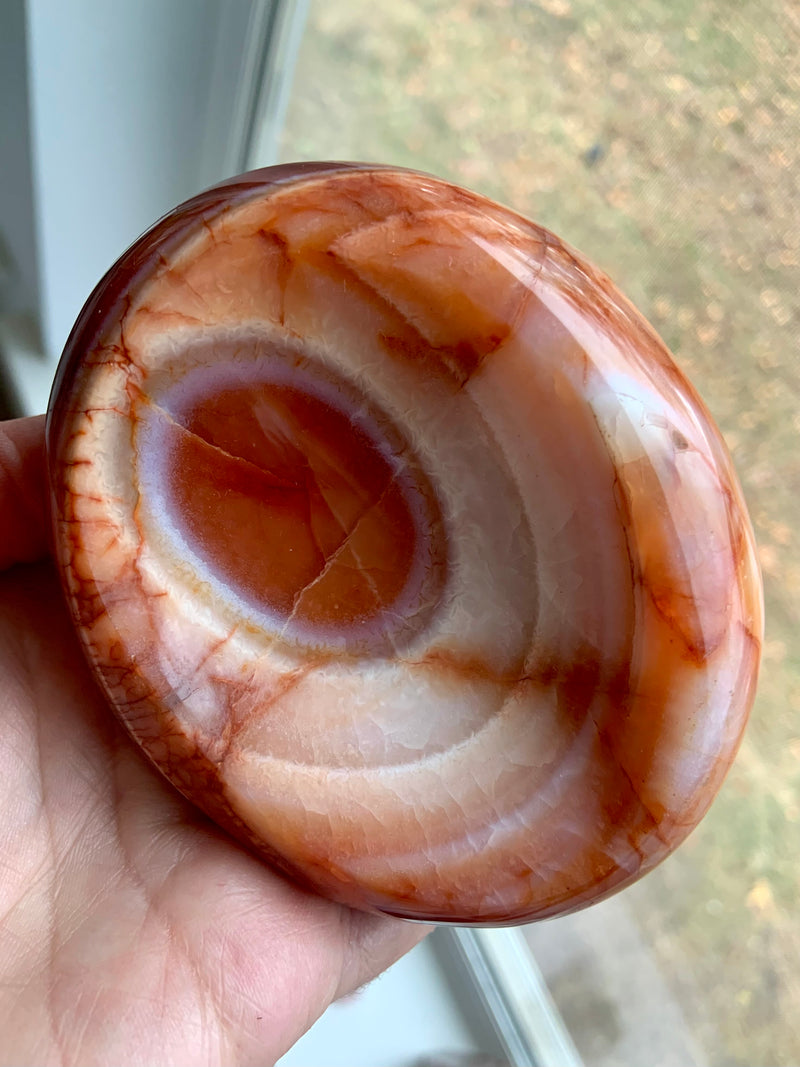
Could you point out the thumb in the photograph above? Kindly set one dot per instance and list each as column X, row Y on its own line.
column 23, row 486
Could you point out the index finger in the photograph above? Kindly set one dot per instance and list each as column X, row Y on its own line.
column 23, row 485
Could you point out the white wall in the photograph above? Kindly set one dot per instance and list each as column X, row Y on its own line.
column 18, row 276
column 118, row 96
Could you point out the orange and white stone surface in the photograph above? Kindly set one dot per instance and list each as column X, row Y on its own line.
column 399, row 543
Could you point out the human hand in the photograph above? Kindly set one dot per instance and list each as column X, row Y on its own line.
column 132, row 930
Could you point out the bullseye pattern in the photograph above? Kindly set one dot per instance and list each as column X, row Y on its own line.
column 288, row 491
column 398, row 542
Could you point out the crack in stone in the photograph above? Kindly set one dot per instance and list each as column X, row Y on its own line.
column 219, row 450
column 303, row 491
column 330, row 562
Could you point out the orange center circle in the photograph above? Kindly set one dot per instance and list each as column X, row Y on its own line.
column 306, row 502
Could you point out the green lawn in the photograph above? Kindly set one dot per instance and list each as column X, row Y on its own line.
column 662, row 139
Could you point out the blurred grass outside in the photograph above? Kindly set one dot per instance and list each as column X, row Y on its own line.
column 663, row 140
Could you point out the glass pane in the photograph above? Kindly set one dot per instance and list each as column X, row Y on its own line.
column 661, row 138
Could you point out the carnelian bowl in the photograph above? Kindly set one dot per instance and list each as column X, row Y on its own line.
column 400, row 545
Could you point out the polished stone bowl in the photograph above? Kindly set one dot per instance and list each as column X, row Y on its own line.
column 398, row 542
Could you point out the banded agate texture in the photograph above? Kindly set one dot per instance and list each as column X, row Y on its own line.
column 398, row 542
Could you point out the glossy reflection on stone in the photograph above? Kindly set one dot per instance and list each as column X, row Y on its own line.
column 400, row 545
